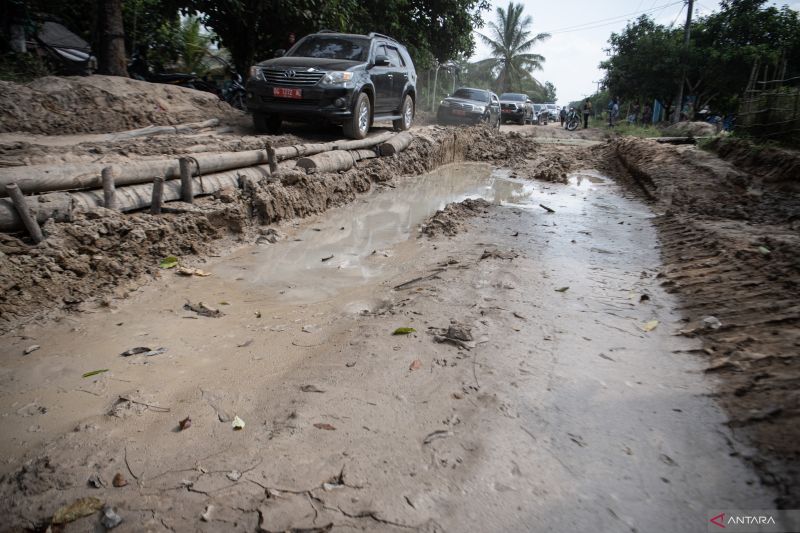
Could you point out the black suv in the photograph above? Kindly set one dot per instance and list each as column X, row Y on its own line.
column 352, row 80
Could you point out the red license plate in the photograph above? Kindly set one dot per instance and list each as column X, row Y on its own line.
column 283, row 92
column 459, row 112
column 506, row 111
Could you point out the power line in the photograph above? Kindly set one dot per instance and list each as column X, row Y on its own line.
column 676, row 17
column 610, row 20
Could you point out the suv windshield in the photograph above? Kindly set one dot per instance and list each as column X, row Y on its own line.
column 472, row 94
column 351, row 48
column 513, row 97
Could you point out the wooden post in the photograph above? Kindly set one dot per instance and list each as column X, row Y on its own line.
column 24, row 212
column 158, row 193
column 273, row 162
column 109, row 190
column 187, row 192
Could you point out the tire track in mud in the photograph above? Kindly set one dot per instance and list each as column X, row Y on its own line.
column 731, row 250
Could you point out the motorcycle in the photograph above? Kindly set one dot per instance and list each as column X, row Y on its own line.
column 573, row 120
column 235, row 94
column 139, row 69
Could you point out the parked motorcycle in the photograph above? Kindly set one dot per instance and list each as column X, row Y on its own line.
column 235, row 94
column 573, row 120
column 139, row 69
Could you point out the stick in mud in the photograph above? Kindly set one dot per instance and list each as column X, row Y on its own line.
column 24, row 212
column 187, row 192
column 158, row 193
column 109, row 189
column 271, row 159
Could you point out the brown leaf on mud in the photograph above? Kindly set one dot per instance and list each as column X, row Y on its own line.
column 78, row 509
column 416, row 364
column 325, row 426
column 119, row 481
column 186, row 423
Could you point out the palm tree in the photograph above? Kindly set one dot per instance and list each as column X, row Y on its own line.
column 511, row 43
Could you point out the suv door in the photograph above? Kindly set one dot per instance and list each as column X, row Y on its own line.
column 382, row 77
column 494, row 109
column 398, row 75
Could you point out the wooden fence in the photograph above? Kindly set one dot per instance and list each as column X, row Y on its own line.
column 771, row 114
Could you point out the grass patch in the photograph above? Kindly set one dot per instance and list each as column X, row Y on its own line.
column 633, row 130
column 21, row 68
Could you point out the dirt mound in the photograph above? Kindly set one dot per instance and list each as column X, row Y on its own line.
column 690, row 129
column 773, row 164
column 102, row 104
column 450, row 220
column 731, row 245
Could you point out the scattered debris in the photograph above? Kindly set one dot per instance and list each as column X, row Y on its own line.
column 95, row 372
column 95, row 481
column 327, row 258
column 30, row 349
column 77, row 509
column 325, row 426
column 604, row 356
column 169, row 262
column 562, row 289
column 309, row 328
column 404, row 331
column 650, row 326
column 644, row 298
column 547, row 208
column 119, row 480
column 763, row 250
column 186, row 423
column 110, row 518
column 203, row 310
column 440, row 434
column 187, row 271
column 416, row 364
column 234, row 475
column 497, row 254
column 245, row 343
column 143, row 350
column 711, row 322
column 310, row 388
column 237, row 424
column 206, row 516
column 457, row 334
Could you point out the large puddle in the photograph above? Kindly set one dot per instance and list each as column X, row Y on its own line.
column 349, row 246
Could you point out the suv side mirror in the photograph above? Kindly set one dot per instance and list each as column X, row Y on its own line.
column 381, row 60
column 280, row 52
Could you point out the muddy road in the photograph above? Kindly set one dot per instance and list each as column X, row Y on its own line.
column 543, row 386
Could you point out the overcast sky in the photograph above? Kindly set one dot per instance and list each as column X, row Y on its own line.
column 580, row 31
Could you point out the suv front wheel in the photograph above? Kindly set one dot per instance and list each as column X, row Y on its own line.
column 406, row 115
column 266, row 123
column 357, row 126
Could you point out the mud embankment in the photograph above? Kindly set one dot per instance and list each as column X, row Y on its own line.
column 103, row 254
column 731, row 247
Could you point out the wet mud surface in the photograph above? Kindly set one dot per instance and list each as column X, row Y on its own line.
column 542, row 386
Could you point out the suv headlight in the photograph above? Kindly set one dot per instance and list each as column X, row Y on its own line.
column 337, row 78
column 479, row 108
column 256, row 73
column 444, row 103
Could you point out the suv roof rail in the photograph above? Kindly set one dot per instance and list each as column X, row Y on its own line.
column 375, row 34
column 326, row 30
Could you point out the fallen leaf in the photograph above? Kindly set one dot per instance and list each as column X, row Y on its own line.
column 237, row 423
column 169, row 262
column 184, row 271
column 562, row 289
column 245, row 343
column 119, row 481
column 95, row 372
column 650, row 326
column 763, row 250
column 31, row 349
column 416, row 364
column 143, row 350
column 186, row 423
column 323, row 425
column 310, row 388
column 77, row 509
column 404, row 331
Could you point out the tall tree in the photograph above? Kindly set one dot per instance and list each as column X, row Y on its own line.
column 511, row 43
column 111, row 57
column 550, row 91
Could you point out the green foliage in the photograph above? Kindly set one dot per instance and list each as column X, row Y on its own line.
column 744, row 38
column 511, row 42
column 549, row 92
column 21, row 68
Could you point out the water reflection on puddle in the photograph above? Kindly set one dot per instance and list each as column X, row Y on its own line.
column 374, row 236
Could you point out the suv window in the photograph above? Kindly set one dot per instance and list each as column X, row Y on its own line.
column 329, row 47
column 394, row 57
column 472, row 94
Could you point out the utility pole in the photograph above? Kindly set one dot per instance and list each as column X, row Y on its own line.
column 686, row 34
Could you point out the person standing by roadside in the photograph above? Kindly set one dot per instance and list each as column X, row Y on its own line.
column 562, row 115
column 647, row 115
column 587, row 110
column 613, row 111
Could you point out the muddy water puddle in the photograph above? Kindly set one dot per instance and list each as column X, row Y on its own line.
column 369, row 240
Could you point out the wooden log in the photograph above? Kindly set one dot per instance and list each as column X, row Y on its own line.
column 150, row 131
column 157, row 196
column 396, row 144
column 186, row 166
column 364, row 143
column 25, row 213
column 676, row 140
column 109, row 189
column 327, row 162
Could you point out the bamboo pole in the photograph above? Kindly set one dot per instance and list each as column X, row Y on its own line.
column 187, row 194
column 158, row 194
column 109, row 189
column 25, row 213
